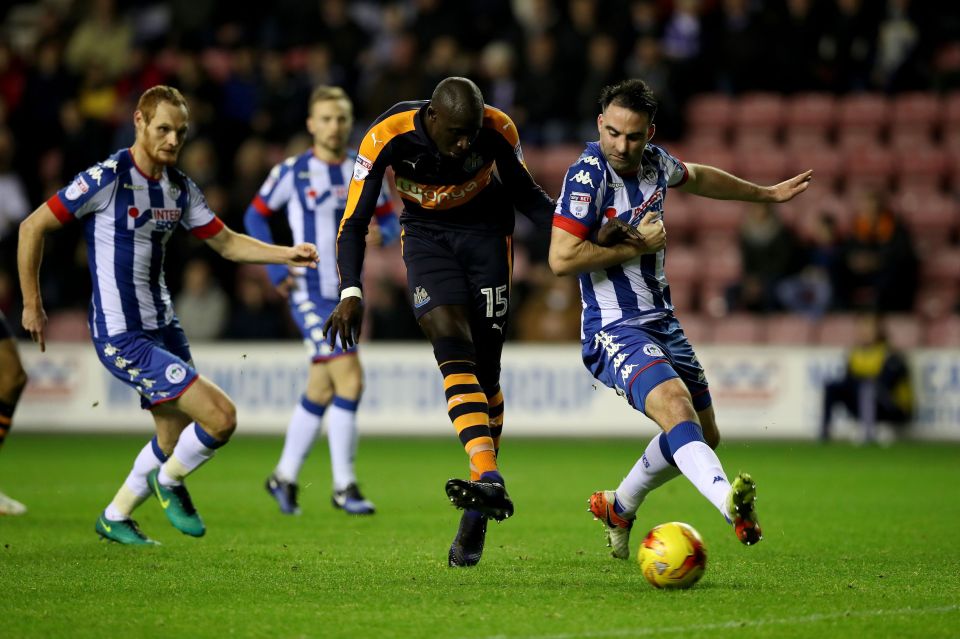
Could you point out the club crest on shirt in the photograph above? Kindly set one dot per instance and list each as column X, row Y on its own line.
column 174, row 191
column 579, row 204
column 473, row 162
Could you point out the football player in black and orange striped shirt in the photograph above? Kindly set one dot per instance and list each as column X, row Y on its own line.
column 457, row 225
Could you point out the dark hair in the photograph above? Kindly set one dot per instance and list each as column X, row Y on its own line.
column 630, row 94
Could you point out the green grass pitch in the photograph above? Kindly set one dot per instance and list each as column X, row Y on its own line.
column 858, row 542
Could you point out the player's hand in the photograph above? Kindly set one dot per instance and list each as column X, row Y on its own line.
column 285, row 286
column 304, row 254
column 652, row 233
column 344, row 322
column 34, row 322
column 789, row 189
column 616, row 231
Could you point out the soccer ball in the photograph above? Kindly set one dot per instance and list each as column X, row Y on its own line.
column 672, row 556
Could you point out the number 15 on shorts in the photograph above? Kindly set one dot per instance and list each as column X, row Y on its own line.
column 497, row 300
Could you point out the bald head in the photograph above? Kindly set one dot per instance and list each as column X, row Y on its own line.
column 455, row 116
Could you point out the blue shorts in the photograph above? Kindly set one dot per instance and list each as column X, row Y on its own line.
column 157, row 364
column 309, row 317
column 634, row 359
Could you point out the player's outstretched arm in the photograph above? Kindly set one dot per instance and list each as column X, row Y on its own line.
column 570, row 254
column 29, row 253
column 238, row 247
column 709, row 181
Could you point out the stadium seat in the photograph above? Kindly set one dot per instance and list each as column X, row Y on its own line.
column 919, row 110
column 759, row 111
column 548, row 166
column 904, row 331
column 763, row 166
column 951, row 112
column 789, row 329
column 738, row 328
column 910, row 140
column 718, row 218
column 798, row 141
column 928, row 213
column 943, row 332
column 680, row 216
column 921, row 166
column 868, row 168
column 942, row 266
column 827, row 165
column 683, row 265
column 69, row 325
column 810, row 113
column 864, row 112
column 938, row 299
column 708, row 111
column 696, row 327
column 837, row 330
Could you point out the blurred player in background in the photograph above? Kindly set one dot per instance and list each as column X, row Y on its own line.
column 609, row 229
column 875, row 385
column 311, row 191
column 12, row 381
column 457, row 223
column 130, row 205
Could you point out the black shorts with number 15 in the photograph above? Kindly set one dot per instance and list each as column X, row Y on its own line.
column 456, row 268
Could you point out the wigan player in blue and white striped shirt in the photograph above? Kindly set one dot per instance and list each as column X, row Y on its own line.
column 311, row 191
column 608, row 228
column 129, row 206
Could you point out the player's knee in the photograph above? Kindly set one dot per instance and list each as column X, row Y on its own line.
column 711, row 436
column 224, row 421
column 321, row 396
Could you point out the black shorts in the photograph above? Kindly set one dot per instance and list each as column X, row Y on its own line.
column 446, row 268
column 5, row 332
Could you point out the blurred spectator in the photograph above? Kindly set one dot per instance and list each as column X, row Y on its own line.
column 898, row 42
column 646, row 62
column 875, row 385
column 496, row 77
column 253, row 316
column 735, row 35
column 389, row 312
column 769, row 251
column 14, row 204
column 602, row 69
column 847, row 45
column 542, row 100
column 880, row 266
column 811, row 291
column 202, row 306
column 102, row 39
column 683, row 47
column 795, row 43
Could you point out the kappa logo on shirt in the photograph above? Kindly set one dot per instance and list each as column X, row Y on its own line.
column 582, row 177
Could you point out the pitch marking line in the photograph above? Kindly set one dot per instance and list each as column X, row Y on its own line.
column 733, row 625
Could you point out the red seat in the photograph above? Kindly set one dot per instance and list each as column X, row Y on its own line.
column 695, row 327
column 864, row 111
column 943, row 332
column 951, row 111
column 799, row 141
column 910, row 140
column 759, row 111
column 938, row 298
column 925, row 165
column 942, row 266
column 928, row 213
column 682, row 264
column 868, row 168
column 738, row 328
column 710, row 111
column 921, row 109
column 789, row 329
column 718, row 218
column 68, row 325
column 837, row 330
column 827, row 165
column 904, row 331
column 763, row 167
column 810, row 112
column 679, row 215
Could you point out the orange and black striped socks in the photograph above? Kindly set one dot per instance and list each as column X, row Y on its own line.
column 467, row 408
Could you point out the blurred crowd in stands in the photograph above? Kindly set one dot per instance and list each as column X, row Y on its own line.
column 867, row 93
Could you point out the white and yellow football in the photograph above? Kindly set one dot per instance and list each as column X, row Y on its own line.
column 672, row 555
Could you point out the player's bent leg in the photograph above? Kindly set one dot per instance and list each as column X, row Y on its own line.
column 214, row 419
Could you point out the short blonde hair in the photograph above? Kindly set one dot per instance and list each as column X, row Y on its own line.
column 323, row 93
column 147, row 104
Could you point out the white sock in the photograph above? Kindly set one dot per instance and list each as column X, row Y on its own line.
column 697, row 461
column 134, row 490
column 342, row 436
column 301, row 432
column 651, row 471
column 193, row 449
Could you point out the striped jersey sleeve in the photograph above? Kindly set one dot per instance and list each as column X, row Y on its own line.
column 579, row 208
